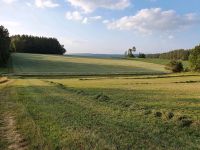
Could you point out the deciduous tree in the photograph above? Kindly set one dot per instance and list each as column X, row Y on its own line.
column 4, row 46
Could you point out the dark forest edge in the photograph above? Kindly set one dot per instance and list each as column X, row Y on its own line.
column 26, row 44
column 179, row 54
column 37, row 45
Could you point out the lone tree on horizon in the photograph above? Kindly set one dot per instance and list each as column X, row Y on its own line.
column 130, row 52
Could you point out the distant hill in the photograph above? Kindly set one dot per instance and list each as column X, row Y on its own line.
column 96, row 55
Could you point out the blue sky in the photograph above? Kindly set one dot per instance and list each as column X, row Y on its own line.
column 107, row 26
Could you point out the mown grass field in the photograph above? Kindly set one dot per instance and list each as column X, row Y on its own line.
column 160, row 111
column 105, row 113
column 51, row 64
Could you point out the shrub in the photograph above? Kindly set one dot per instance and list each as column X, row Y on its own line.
column 141, row 55
column 175, row 66
column 194, row 59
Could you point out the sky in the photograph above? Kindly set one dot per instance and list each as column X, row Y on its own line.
column 107, row 26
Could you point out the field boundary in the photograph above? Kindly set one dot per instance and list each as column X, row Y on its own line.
column 80, row 75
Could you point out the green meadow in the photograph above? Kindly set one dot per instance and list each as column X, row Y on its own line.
column 66, row 65
column 143, row 107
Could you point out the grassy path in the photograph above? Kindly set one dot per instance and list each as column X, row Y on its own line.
column 10, row 136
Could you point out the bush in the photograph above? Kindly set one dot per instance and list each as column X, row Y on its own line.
column 175, row 66
column 194, row 59
column 141, row 55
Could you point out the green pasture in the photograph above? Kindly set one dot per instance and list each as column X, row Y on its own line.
column 159, row 61
column 51, row 64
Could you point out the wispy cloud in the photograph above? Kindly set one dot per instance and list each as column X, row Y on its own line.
column 91, row 19
column 90, row 5
column 46, row 4
column 154, row 19
column 77, row 16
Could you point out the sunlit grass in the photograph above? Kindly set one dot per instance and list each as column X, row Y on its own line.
column 66, row 113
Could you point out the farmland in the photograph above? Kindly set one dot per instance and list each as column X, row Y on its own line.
column 51, row 64
column 157, row 111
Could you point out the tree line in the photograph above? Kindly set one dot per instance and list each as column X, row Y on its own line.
column 194, row 61
column 179, row 54
column 194, row 58
column 34, row 44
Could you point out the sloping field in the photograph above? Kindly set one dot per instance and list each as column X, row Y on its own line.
column 51, row 64
column 145, row 112
column 161, row 61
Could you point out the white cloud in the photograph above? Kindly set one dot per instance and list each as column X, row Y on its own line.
column 9, row 23
column 91, row 5
column 86, row 20
column 154, row 19
column 75, row 15
column 9, row 1
column 46, row 4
